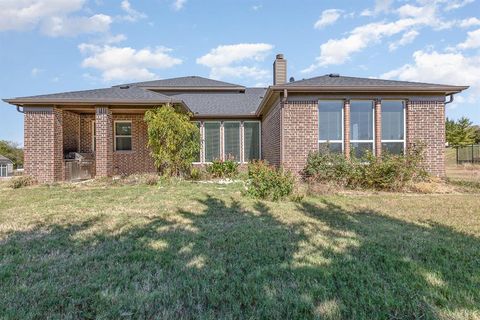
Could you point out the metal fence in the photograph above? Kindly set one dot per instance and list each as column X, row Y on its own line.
column 468, row 154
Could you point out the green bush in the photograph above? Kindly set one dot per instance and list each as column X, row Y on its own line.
column 391, row 172
column 268, row 182
column 223, row 169
column 21, row 181
column 197, row 174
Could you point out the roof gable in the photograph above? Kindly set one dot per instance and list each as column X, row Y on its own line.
column 186, row 82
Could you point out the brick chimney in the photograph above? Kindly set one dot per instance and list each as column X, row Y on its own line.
column 279, row 70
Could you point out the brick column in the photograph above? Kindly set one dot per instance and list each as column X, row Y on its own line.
column 378, row 128
column 346, row 128
column 43, row 144
column 104, row 143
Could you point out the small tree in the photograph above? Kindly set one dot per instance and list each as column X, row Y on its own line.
column 173, row 139
column 460, row 133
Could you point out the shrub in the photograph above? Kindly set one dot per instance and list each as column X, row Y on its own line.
column 173, row 139
column 391, row 172
column 223, row 169
column 197, row 174
column 21, row 181
column 268, row 182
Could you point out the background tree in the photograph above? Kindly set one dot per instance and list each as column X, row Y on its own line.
column 460, row 133
column 12, row 151
column 477, row 134
column 173, row 139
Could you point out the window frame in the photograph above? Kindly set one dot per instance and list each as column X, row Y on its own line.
column 243, row 139
column 220, row 142
column 343, row 124
column 115, row 136
column 404, row 141
column 373, row 125
column 2, row 168
column 240, row 142
column 202, row 151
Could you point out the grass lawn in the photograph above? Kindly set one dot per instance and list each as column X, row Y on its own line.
column 202, row 251
column 464, row 172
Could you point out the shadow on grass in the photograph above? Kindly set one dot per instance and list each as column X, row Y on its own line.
column 229, row 262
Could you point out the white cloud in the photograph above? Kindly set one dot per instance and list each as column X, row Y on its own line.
column 36, row 71
column 381, row 6
column 125, row 63
column 455, row 4
column 132, row 15
column 327, row 17
column 52, row 17
column 435, row 67
column 339, row 51
column 229, row 60
column 406, row 38
column 179, row 4
column 469, row 22
column 257, row 7
column 472, row 41
column 72, row 26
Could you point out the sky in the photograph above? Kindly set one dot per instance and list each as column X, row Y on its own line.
column 49, row 46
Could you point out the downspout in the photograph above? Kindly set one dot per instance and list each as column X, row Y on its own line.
column 18, row 109
column 451, row 99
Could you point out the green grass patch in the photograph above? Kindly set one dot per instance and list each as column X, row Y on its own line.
column 203, row 251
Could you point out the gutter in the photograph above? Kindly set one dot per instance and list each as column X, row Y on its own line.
column 451, row 99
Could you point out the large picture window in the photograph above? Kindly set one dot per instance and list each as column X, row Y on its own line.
column 212, row 141
column 393, row 126
column 330, row 126
column 123, row 135
column 231, row 140
column 251, row 140
column 361, row 127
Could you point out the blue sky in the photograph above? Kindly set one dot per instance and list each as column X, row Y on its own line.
column 49, row 46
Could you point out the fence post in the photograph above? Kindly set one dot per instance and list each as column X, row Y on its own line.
column 472, row 153
column 456, row 148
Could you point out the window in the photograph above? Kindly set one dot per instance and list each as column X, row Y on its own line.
column 231, row 140
column 198, row 159
column 251, row 140
column 393, row 126
column 212, row 141
column 123, row 135
column 330, row 126
column 361, row 127
column 94, row 136
column 3, row 170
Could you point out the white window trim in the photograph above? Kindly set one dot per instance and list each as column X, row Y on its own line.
column 373, row 124
column 115, row 136
column 201, row 143
column 404, row 104
column 2, row 168
column 220, row 128
column 259, row 139
column 224, row 156
column 94, row 135
column 343, row 124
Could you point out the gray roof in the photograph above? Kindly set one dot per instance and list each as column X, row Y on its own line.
column 223, row 103
column 108, row 95
column 5, row 160
column 186, row 82
column 338, row 80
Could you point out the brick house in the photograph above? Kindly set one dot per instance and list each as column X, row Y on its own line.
column 281, row 123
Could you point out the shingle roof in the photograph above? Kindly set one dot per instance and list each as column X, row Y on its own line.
column 223, row 103
column 108, row 95
column 4, row 159
column 329, row 80
column 186, row 82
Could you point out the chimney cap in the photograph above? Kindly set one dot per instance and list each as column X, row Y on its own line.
column 279, row 56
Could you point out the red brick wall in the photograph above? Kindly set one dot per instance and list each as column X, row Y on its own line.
column 138, row 160
column 300, row 133
column 86, row 132
column 426, row 124
column 104, row 142
column 271, row 135
column 71, row 131
column 43, row 145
